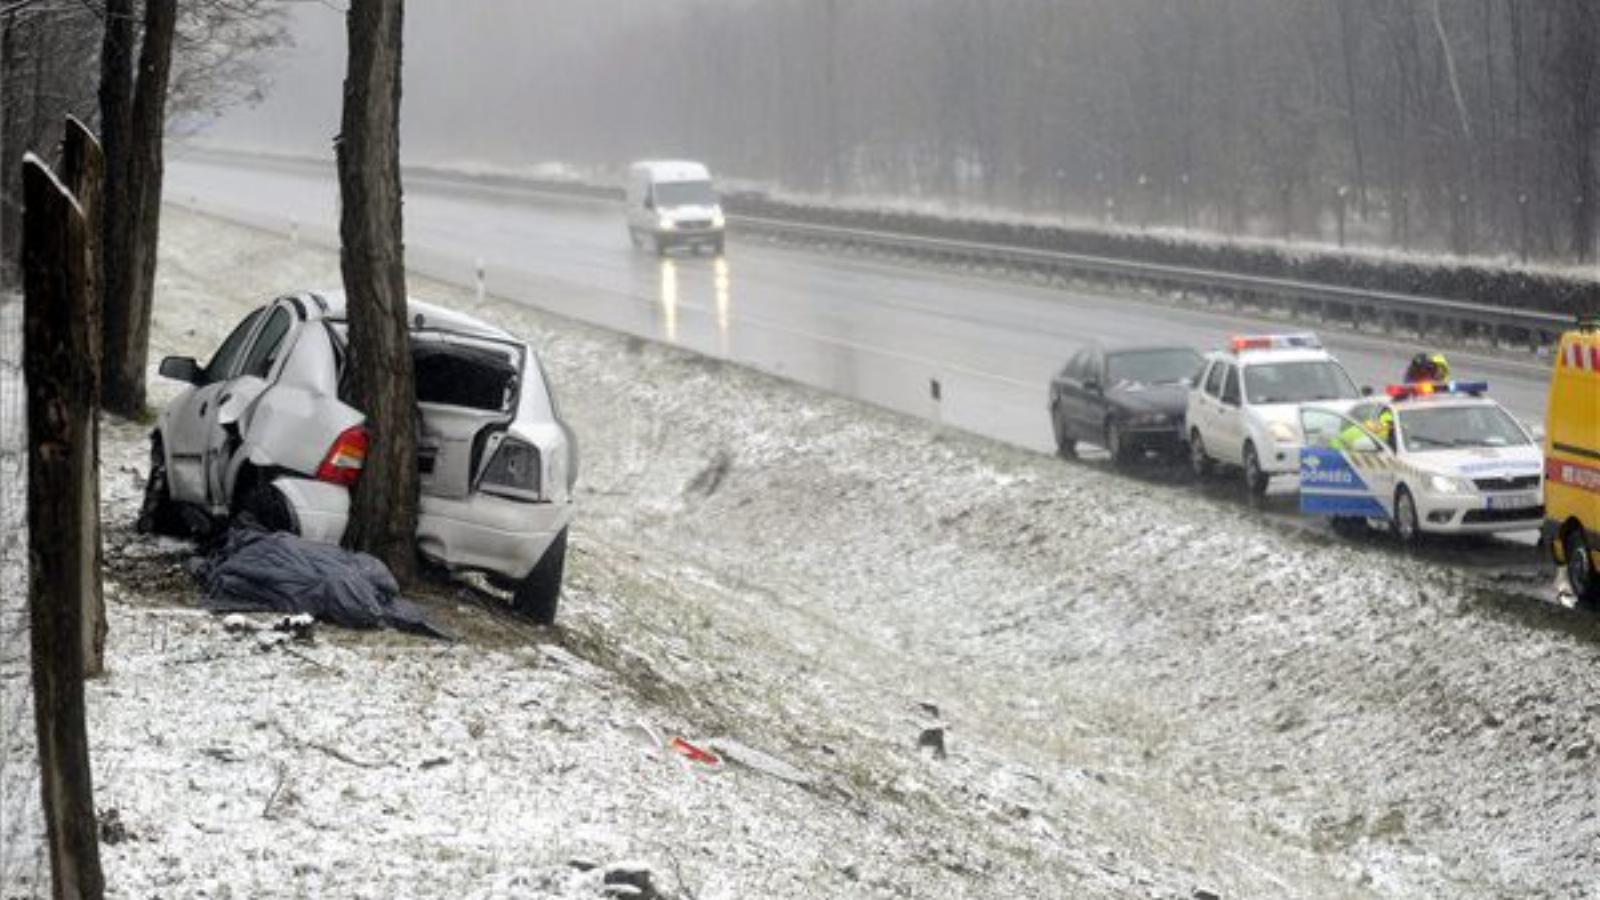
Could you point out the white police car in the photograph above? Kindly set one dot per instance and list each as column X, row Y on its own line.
column 1440, row 458
column 1244, row 410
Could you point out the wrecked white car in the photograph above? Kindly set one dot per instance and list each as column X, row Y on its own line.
column 268, row 430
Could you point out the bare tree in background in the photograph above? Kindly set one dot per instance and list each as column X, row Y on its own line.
column 383, row 518
column 46, row 71
column 220, row 53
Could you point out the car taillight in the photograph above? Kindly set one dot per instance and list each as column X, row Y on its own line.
column 345, row 458
column 513, row 471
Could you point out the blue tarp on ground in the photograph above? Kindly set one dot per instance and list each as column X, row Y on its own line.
column 260, row 571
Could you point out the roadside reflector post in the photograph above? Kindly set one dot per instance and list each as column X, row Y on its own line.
column 478, row 273
column 935, row 398
column 294, row 230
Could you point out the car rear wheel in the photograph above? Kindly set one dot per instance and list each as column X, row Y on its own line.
column 540, row 593
column 1406, row 527
column 268, row 508
column 1580, row 567
column 1199, row 462
column 159, row 514
column 1256, row 479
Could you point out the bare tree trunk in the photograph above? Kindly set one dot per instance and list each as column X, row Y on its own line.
column 59, row 370
column 117, row 235
column 383, row 514
column 128, row 311
column 1581, row 35
column 1350, row 48
column 82, row 167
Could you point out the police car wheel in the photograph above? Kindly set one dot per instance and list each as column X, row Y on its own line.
column 1580, row 567
column 1406, row 527
column 1199, row 462
column 1254, row 478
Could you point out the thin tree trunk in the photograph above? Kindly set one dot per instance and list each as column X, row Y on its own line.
column 82, row 167
column 128, row 314
column 1350, row 49
column 58, row 360
column 383, row 518
column 117, row 234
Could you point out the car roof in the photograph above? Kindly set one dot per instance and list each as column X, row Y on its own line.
column 668, row 170
column 332, row 305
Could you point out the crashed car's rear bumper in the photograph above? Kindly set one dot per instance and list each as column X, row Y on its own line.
column 480, row 532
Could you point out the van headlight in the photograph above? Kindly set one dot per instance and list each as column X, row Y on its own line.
column 667, row 224
column 513, row 471
column 1282, row 433
column 718, row 220
column 1444, row 484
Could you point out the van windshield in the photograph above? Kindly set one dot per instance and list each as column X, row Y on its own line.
column 684, row 193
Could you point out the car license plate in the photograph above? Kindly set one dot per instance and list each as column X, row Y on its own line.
column 1513, row 501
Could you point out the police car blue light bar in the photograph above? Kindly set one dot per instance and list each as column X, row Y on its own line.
column 1433, row 388
column 1302, row 341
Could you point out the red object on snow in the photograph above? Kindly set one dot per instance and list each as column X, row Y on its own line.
column 695, row 753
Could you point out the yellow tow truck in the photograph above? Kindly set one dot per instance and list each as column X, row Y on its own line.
column 1572, row 461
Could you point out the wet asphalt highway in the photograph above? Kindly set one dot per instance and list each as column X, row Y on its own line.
column 876, row 331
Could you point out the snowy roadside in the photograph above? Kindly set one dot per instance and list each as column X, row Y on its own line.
column 1146, row 690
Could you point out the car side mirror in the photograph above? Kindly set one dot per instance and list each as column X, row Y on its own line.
column 1092, row 385
column 1366, row 390
column 1535, row 431
column 183, row 368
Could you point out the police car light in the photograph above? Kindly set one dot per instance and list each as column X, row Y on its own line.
column 1303, row 341
column 1430, row 388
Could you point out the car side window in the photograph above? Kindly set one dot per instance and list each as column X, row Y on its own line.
column 1214, row 380
column 264, row 352
column 221, row 364
column 1230, row 386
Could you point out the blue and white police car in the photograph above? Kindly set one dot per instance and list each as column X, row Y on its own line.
column 1434, row 457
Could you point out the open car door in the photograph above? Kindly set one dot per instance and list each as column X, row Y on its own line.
column 1346, row 472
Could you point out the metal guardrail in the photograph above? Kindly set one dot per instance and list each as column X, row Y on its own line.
column 1328, row 304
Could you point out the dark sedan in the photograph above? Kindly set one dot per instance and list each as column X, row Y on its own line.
column 1128, row 399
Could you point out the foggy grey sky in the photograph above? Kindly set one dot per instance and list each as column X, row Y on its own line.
column 468, row 64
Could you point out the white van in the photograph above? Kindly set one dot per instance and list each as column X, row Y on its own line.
column 671, row 203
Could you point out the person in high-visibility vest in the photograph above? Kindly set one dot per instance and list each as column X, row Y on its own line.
column 1351, row 437
column 1428, row 367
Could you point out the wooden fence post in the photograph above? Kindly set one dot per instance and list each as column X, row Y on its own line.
column 83, row 170
column 57, row 367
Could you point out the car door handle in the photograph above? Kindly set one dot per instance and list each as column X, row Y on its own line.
column 203, row 407
column 224, row 399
